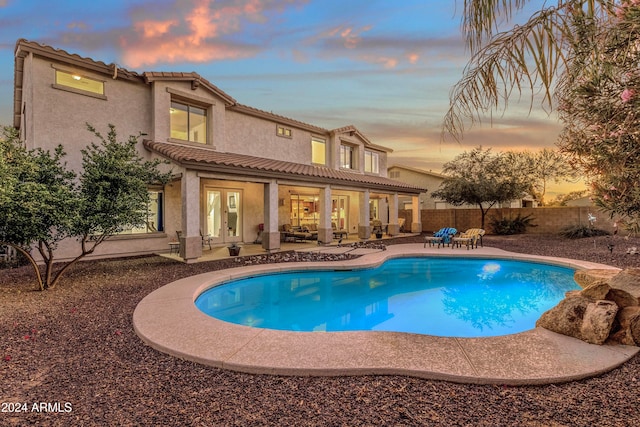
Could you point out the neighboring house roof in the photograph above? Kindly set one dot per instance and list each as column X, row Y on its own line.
column 416, row 170
column 239, row 164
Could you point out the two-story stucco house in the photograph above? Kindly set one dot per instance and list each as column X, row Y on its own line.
column 235, row 168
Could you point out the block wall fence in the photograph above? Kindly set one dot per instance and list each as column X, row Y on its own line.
column 551, row 220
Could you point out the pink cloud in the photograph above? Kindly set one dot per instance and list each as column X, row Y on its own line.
column 195, row 37
column 413, row 58
column 151, row 29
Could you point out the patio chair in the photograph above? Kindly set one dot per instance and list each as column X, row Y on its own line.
column 470, row 238
column 441, row 237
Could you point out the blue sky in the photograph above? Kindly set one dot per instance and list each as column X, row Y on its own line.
column 384, row 66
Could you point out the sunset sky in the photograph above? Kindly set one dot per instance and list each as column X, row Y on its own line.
column 384, row 66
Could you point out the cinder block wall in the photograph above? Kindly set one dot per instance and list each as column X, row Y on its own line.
column 551, row 220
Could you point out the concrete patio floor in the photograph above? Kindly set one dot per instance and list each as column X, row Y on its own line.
column 248, row 249
column 168, row 320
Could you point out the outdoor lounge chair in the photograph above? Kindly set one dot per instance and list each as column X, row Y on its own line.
column 293, row 235
column 470, row 238
column 441, row 237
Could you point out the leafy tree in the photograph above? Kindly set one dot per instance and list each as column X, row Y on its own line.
column 562, row 199
column 43, row 203
column 542, row 167
column 584, row 51
column 531, row 56
column 600, row 109
column 38, row 199
column 481, row 178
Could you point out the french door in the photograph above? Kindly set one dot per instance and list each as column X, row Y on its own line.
column 223, row 215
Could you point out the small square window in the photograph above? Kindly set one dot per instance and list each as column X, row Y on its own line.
column 283, row 131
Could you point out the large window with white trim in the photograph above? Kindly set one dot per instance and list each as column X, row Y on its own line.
column 371, row 162
column 188, row 122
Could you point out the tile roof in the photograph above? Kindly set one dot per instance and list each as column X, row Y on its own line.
column 240, row 164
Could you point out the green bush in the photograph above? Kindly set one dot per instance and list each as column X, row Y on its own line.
column 517, row 225
column 582, row 231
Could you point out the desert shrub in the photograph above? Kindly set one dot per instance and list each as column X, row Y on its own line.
column 517, row 225
column 582, row 231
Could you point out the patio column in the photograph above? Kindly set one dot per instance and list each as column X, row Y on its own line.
column 364, row 226
column 325, row 232
column 191, row 241
column 271, row 235
column 416, row 220
column 394, row 227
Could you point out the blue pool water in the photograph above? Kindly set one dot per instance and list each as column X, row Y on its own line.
column 450, row 297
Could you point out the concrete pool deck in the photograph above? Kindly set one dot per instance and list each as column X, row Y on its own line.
column 168, row 320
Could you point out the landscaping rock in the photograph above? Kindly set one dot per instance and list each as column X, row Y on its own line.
column 586, row 278
column 597, row 322
column 627, row 280
column 597, row 290
column 622, row 298
column 566, row 317
column 608, row 307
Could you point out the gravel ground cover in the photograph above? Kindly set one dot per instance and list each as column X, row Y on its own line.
column 69, row 357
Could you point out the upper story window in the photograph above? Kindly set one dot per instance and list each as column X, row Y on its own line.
column 188, row 122
column 394, row 174
column 371, row 162
column 76, row 82
column 283, row 131
column 347, row 160
column 318, row 151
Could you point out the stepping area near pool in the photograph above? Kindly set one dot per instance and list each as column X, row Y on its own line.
column 168, row 320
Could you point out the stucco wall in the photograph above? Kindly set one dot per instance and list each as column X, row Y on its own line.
column 257, row 137
column 62, row 115
column 550, row 220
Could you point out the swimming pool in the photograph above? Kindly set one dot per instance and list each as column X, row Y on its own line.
column 442, row 296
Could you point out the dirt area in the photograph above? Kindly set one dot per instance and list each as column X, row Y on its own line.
column 69, row 356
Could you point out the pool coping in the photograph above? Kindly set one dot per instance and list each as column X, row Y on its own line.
column 168, row 320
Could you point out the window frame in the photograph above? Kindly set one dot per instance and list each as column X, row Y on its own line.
column 352, row 164
column 159, row 214
column 318, row 140
column 369, row 163
column 59, row 84
column 284, row 132
column 189, row 104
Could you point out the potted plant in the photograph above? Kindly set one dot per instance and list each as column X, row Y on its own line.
column 234, row 249
column 377, row 229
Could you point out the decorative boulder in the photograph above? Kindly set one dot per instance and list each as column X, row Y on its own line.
column 597, row 322
column 585, row 278
column 607, row 308
column 629, row 281
column 596, row 291
column 627, row 326
column 566, row 317
column 622, row 298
